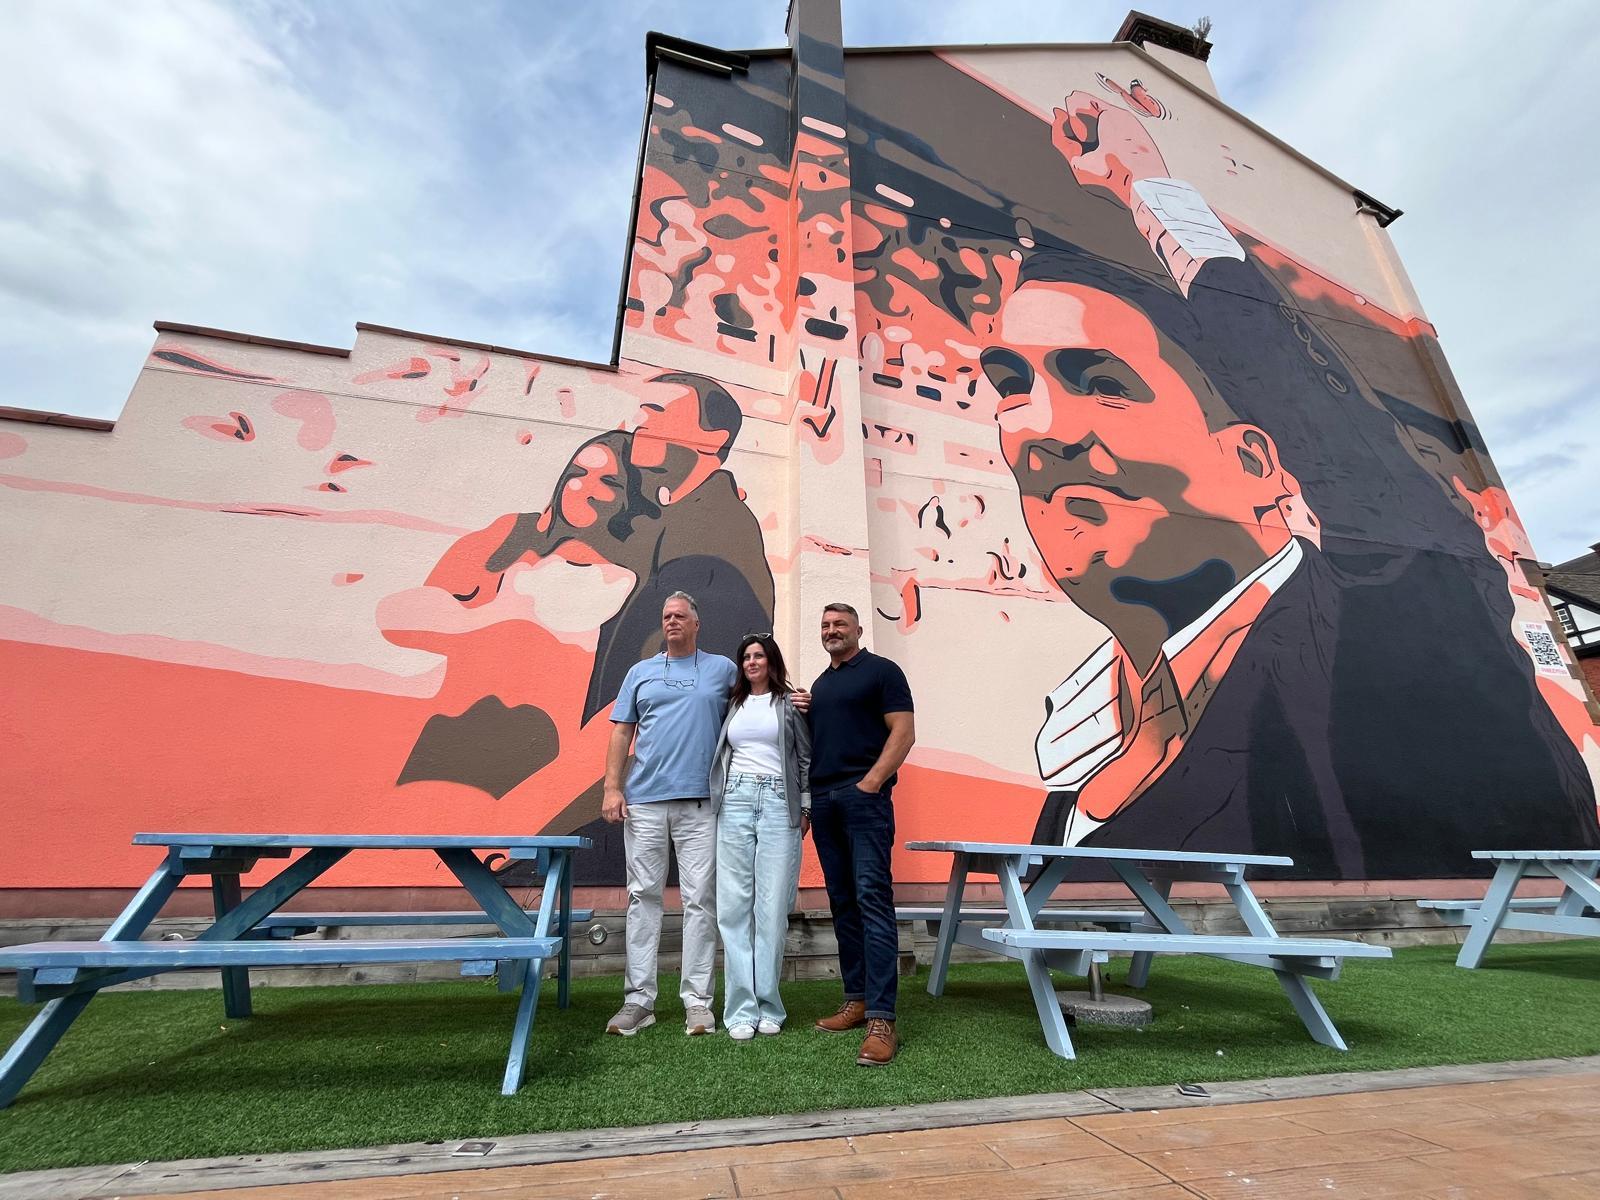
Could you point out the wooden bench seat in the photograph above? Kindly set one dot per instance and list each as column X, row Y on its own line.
column 57, row 962
column 1186, row 943
column 1089, row 916
column 1459, row 912
column 287, row 924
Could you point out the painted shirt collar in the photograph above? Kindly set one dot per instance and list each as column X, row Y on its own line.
column 1082, row 728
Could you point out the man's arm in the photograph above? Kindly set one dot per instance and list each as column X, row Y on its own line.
column 1111, row 150
column 613, row 806
column 902, row 736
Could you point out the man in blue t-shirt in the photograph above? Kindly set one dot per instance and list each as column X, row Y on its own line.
column 862, row 728
column 670, row 709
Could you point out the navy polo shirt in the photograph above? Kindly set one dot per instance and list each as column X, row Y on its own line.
column 848, row 704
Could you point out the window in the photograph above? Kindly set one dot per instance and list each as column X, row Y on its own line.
column 1568, row 625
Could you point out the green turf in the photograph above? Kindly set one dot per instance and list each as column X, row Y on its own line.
column 162, row 1075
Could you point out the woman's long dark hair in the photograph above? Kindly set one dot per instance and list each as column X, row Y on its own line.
column 777, row 673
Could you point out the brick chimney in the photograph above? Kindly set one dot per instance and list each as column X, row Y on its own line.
column 1180, row 50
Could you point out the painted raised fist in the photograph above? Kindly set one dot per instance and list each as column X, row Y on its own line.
column 1108, row 147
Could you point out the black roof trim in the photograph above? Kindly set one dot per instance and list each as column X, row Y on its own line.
column 681, row 50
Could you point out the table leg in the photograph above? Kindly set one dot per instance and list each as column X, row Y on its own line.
column 521, row 1032
column 45, row 1030
column 1571, row 903
column 501, row 909
column 1486, row 921
column 1315, row 1018
column 953, row 896
column 1312, row 1014
column 225, row 897
column 1139, row 968
column 563, row 862
column 36, row 1041
column 1040, row 984
column 272, row 895
column 146, row 904
column 1154, row 896
column 1581, row 890
column 492, row 896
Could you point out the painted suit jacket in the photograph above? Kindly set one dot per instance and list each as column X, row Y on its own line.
column 1340, row 737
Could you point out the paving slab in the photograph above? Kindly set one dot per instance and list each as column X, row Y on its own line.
column 1365, row 1133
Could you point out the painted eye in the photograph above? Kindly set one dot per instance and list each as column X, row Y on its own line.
column 1098, row 373
column 1106, row 385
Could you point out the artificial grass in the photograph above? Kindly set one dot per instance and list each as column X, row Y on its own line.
column 162, row 1075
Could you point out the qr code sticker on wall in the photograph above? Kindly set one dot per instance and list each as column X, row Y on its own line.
column 1542, row 645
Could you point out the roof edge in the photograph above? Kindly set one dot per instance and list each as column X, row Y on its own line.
column 37, row 416
column 252, row 339
column 368, row 327
column 1357, row 194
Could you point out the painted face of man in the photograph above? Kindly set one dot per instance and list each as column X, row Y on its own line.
column 1142, row 511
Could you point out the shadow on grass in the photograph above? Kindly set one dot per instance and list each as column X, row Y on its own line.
column 1570, row 965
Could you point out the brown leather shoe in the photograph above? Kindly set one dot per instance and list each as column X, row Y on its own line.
column 881, row 1042
column 852, row 1014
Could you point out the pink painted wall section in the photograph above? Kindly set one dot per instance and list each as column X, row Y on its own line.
column 296, row 592
column 1117, row 422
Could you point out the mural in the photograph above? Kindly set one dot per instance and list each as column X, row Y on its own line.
column 1144, row 461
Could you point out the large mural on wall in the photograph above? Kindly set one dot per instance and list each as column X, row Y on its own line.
column 1276, row 530
column 1174, row 517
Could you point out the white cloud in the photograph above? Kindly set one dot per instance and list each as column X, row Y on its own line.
column 289, row 167
column 153, row 153
column 1474, row 118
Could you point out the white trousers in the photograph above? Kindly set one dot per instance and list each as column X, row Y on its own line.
column 691, row 828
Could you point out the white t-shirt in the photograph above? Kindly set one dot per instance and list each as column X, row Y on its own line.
column 753, row 734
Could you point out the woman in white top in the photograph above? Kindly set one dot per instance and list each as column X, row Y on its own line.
column 761, row 793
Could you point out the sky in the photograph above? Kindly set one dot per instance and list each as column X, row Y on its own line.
column 288, row 168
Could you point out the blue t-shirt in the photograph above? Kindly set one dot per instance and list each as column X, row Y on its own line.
column 678, row 705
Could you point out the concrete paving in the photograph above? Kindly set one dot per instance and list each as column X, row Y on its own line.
column 1529, row 1137
column 1513, row 1130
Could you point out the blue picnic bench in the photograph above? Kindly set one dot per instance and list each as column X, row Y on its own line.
column 1499, row 909
column 1027, row 930
column 250, row 931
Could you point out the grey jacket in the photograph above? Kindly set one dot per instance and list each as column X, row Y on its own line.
column 794, row 749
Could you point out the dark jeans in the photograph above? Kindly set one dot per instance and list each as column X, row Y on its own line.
column 854, row 833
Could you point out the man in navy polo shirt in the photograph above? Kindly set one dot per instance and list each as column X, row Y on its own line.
column 862, row 728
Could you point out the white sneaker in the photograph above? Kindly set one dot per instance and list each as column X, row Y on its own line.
column 699, row 1021
column 630, row 1019
column 769, row 1027
column 741, row 1033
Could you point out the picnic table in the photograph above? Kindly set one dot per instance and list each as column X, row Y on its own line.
column 251, row 932
column 1500, row 909
column 1022, row 935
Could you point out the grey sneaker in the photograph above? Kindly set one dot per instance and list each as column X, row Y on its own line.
column 699, row 1021
column 630, row 1019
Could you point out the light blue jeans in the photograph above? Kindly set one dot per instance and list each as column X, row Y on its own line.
column 758, row 868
